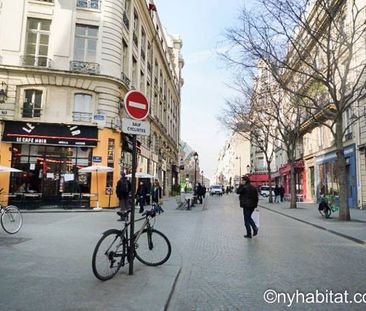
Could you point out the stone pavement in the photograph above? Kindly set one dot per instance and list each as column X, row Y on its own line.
column 47, row 265
column 354, row 230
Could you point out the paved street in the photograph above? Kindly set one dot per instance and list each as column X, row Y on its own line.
column 47, row 265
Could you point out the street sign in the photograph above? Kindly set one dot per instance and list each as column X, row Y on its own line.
column 135, row 127
column 136, row 104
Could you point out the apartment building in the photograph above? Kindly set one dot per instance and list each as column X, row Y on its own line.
column 65, row 67
column 233, row 161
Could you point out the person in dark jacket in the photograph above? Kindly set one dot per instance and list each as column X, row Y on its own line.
column 123, row 190
column 277, row 193
column 141, row 196
column 157, row 197
column 248, row 197
column 282, row 192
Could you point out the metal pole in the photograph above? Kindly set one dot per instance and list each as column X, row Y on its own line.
column 195, row 176
column 240, row 166
column 132, row 204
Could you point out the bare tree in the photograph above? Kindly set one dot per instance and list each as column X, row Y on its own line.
column 240, row 116
column 313, row 51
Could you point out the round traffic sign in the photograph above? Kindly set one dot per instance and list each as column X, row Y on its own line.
column 137, row 105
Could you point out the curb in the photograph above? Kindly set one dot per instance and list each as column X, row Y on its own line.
column 362, row 242
column 166, row 306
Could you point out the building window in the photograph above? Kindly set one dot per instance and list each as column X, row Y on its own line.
column 32, row 105
column 136, row 25
column 86, row 38
column 126, row 13
column 36, row 49
column 82, row 108
column 90, row 4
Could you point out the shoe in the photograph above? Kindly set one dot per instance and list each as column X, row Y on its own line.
column 255, row 232
column 248, row 236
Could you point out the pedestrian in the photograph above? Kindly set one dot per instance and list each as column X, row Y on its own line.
column 282, row 192
column 200, row 193
column 277, row 193
column 204, row 191
column 123, row 190
column 248, row 198
column 141, row 196
column 157, row 197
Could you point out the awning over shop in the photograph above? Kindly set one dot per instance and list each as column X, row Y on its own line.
column 50, row 134
column 285, row 169
column 258, row 179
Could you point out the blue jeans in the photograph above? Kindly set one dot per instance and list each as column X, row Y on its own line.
column 248, row 220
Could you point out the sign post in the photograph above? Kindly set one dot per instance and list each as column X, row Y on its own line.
column 137, row 107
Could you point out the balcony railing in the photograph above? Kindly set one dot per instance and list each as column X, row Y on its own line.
column 35, row 61
column 82, row 116
column 89, row 4
column 31, row 112
column 49, row 1
column 125, row 79
column 84, row 67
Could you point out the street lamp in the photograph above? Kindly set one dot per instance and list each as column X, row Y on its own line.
column 202, row 176
column 248, row 168
column 195, row 157
column 239, row 157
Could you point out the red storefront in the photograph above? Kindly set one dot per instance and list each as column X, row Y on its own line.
column 258, row 179
column 300, row 177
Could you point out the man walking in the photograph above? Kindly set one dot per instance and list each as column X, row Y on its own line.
column 248, row 197
column 123, row 190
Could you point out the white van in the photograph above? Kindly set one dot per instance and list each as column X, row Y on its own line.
column 264, row 191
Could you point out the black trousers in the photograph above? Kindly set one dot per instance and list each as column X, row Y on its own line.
column 248, row 220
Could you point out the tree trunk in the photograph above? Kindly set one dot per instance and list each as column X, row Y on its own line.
column 292, row 185
column 344, row 213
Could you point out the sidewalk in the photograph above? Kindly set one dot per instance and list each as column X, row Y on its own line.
column 354, row 230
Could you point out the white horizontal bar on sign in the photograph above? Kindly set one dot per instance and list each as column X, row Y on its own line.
column 137, row 105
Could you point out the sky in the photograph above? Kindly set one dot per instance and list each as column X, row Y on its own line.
column 201, row 26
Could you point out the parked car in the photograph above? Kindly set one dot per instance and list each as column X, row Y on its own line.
column 264, row 191
column 216, row 189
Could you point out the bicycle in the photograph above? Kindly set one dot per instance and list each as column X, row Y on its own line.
column 327, row 206
column 11, row 219
column 113, row 251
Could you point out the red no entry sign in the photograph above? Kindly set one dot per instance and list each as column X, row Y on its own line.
column 136, row 105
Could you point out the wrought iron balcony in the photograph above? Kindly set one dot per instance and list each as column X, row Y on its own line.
column 28, row 111
column 35, row 61
column 89, row 4
column 82, row 116
column 84, row 67
column 125, row 79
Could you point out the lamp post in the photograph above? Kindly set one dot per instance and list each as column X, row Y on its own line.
column 195, row 157
column 248, row 169
column 202, row 176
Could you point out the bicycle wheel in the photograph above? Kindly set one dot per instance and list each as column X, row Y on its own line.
column 11, row 219
column 152, row 248
column 109, row 254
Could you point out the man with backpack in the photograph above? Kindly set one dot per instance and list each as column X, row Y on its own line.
column 123, row 190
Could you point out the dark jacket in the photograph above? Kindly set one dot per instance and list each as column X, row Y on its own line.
column 156, row 194
column 119, row 191
column 248, row 196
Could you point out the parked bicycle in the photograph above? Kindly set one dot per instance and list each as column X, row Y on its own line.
column 11, row 218
column 327, row 205
column 151, row 247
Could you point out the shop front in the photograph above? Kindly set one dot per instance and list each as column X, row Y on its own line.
column 50, row 156
column 326, row 175
column 258, row 179
column 300, row 178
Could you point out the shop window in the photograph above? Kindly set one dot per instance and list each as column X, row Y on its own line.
column 32, row 105
column 82, row 108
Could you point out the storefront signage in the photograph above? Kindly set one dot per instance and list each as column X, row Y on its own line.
column 130, row 126
column 50, row 134
column 97, row 159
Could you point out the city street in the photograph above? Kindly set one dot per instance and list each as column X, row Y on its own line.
column 47, row 265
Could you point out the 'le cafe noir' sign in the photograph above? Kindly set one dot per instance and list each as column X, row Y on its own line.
column 50, row 134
